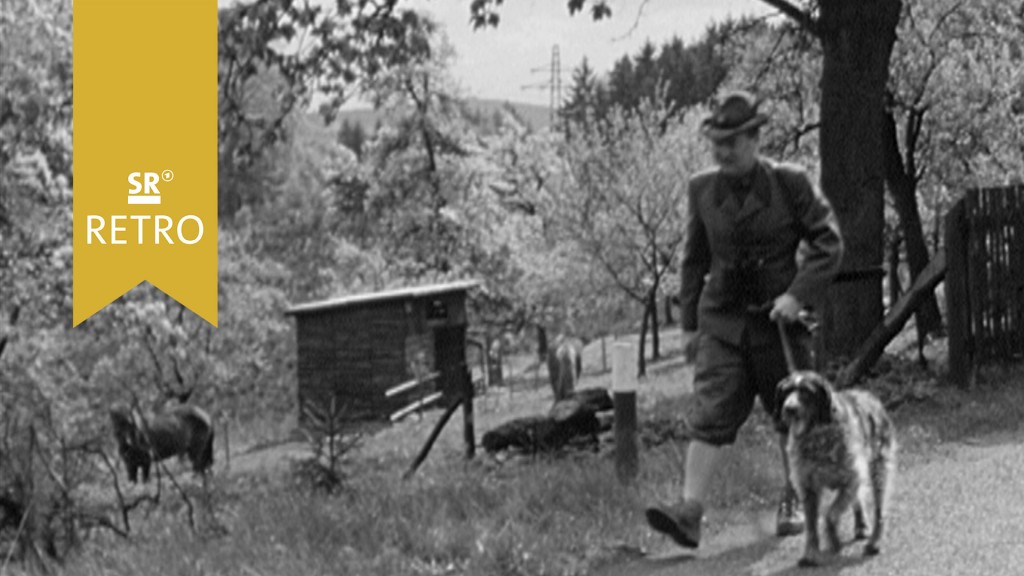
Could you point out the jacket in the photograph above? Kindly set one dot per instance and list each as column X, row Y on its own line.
column 784, row 238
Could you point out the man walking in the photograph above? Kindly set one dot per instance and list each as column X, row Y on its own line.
column 761, row 245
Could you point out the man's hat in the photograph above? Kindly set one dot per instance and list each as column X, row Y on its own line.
column 735, row 113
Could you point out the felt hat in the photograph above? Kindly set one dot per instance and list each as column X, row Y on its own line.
column 736, row 112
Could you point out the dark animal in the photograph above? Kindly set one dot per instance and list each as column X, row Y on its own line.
column 843, row 441
column 565, row 364
column 184, row 431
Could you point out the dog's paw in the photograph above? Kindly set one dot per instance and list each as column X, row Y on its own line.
column 871, row 549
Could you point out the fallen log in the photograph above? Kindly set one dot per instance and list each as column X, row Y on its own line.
column 892, row 324
column 569, row 419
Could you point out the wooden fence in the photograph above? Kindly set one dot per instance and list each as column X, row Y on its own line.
column 985, row 280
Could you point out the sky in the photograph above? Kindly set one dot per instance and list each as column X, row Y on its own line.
column 496, row 63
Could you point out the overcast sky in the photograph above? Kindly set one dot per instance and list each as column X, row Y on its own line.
column 497, row 63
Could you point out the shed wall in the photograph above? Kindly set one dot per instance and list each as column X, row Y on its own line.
column 359, row 352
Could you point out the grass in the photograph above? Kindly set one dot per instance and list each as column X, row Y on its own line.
column 546, row 515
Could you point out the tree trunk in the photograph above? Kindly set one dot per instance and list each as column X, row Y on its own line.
column 903, row 188
column 857, row 40
column 542, row 343
column 641, row 361
column 669, row 319
column 895, row 288
column 652, row 305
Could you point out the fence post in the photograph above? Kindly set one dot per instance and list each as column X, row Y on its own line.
column 604, row 355
column 468, row 435
column 958, row 304
column 624, row 383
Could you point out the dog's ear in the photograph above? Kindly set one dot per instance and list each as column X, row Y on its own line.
column 782, row 390
column 823, row 398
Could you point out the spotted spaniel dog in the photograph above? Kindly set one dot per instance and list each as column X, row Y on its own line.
column 843, row 441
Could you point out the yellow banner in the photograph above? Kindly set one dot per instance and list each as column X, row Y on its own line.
column 145, row 152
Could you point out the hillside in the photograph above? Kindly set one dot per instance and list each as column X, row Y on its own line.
column 537, row 117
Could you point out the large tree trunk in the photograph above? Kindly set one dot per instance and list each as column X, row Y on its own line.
column 857, row 40
column 903, row 188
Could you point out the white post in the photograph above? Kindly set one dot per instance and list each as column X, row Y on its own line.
column 624, row 385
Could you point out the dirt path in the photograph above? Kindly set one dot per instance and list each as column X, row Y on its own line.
column 961, row 513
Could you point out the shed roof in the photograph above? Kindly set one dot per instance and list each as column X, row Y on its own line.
column 377, row 297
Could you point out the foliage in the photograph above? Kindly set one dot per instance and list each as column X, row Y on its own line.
column 618, row 197
column 535, row 277
column 484, row 13
column 682, row 76
column 782, row 64
column 957, row 98
column 306, row 48
column 38, row 466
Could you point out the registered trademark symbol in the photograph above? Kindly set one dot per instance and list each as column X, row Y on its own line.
column 167, row 175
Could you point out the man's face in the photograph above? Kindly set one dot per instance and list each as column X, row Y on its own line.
column 736, row 154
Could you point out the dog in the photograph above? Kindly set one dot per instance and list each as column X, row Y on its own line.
column 185, row 431
column 839, row 440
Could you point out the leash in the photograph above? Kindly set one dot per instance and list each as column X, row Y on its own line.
column 804, row 317
column 787, row 348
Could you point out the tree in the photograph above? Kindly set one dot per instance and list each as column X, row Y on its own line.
column 535, row 279
column 617, row 200
column 274, row 55
column 683, row 75
column 857, row 40
column 945, row 50
column 783, row 61
column 587, row 97
column 418, row 170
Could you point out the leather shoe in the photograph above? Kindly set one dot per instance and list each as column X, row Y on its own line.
column 681, row 524
column 789, row 521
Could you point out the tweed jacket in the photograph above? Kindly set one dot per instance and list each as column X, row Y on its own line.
column 737, row 258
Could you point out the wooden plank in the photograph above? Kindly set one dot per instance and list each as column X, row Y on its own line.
column 1015, row 287
column 1013, row 308
column 975, row 273
column 957, row 301
column 430, row 439
column 998, row 291
column 404, row 386
column 422, row 402
column 1016, row 218
column 893, row 322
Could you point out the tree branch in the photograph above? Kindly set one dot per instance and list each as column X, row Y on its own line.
column 801, row 17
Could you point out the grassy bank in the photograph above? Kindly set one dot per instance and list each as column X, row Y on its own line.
column 561, row 514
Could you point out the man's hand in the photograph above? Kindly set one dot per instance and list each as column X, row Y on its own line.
column 690, row 345
column 786, row 307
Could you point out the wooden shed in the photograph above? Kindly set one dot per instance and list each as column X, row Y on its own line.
column 356, row 348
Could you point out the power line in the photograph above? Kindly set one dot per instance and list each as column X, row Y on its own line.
column 553, row 85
